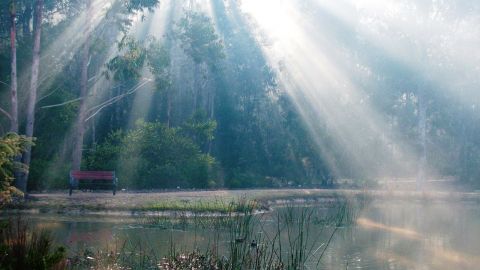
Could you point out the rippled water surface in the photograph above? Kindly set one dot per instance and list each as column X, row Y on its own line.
column 386, row 235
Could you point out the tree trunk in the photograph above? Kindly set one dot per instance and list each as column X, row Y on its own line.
column 13, row 85
column 80, row 127
column 27, row 15
column 94, row 134
column 13, row 75
column 93, row 123
column 32, row 100
column 211, row 103
column 169, row 106
column 196, row 87
column 464, row 154
column 211, row 114
column 422, row 128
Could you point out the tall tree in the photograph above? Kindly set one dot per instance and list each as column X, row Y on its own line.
column 13, row 74
column 159, row 64
column 200, row 41
column 32, row 100
column 80, row 126
column 26, row 17
column 422, row 130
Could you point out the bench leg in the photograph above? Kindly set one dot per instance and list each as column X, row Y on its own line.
column 70, row 192
column 114, row 190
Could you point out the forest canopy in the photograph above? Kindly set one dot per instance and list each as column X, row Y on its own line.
column 204, row 95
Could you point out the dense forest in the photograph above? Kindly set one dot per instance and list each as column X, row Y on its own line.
column 196, row 94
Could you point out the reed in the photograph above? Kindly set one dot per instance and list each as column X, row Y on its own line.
column 295, row 238
column 22, row 247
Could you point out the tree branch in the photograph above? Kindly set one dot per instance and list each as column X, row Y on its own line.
column 96, row 108
column 111, row 99
column 5, row 83
column 115, row 99
column 49, row 94
column 6, row 113
column 61, row 104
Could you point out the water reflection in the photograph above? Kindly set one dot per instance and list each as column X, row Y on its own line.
column 387, row 235
column 410, row 235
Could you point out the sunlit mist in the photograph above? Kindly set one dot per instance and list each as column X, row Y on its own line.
column 320, row 50
column 240, row 134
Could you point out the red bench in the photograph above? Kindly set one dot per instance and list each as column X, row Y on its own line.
column 93, row 180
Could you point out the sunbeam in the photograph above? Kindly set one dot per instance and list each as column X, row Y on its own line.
column 312, row 68
column 240, row 134
column 62, row 50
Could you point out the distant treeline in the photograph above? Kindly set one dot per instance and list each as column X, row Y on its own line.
column 197, row 104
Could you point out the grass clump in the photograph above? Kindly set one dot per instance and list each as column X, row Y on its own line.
column 209, row 206
column 24, row 248
column 287, row 242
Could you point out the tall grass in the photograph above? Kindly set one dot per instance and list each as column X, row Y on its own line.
column 288, row 242
column 294, row 238
column 206, row 206
column 24, row 248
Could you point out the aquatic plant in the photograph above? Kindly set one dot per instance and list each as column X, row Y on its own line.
column 21, row 247
column 201, row 206
column 295, row 238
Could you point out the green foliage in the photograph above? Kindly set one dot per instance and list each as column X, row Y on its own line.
column 199, row 128
column 254, row 131
column 49, row 168
column 153, row 156
column 158, row 57
column 49, row 174
column 106, row 154
column 11, row 146
column 138, row 5
column 24, row 248
column 128, row 65
column 199, row 39
column 159, row 62
column 164, row 158
column 235, row 206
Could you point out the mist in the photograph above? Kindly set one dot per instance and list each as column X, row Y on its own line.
column 256, row 134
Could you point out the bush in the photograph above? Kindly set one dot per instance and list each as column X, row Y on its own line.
column 48, row 174
column 106, row 155
column 153, row 156
column 11, row 146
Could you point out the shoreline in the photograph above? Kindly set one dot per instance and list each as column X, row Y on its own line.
column 208, row 203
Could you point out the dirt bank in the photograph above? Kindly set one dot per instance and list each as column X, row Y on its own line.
column 207, row 201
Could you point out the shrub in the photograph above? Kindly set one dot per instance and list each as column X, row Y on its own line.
column 153, row 156
column 11, row 146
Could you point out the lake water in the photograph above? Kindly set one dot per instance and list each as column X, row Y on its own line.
column 385, row 235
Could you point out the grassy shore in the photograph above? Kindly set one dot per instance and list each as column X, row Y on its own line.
column 220, row 201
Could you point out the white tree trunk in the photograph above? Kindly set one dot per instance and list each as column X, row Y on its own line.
column 13, row 75
column 80, row 126
column 32, row 100
column 196, row 87
column 422, row 128
column 169, row 106
column 27, row 15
